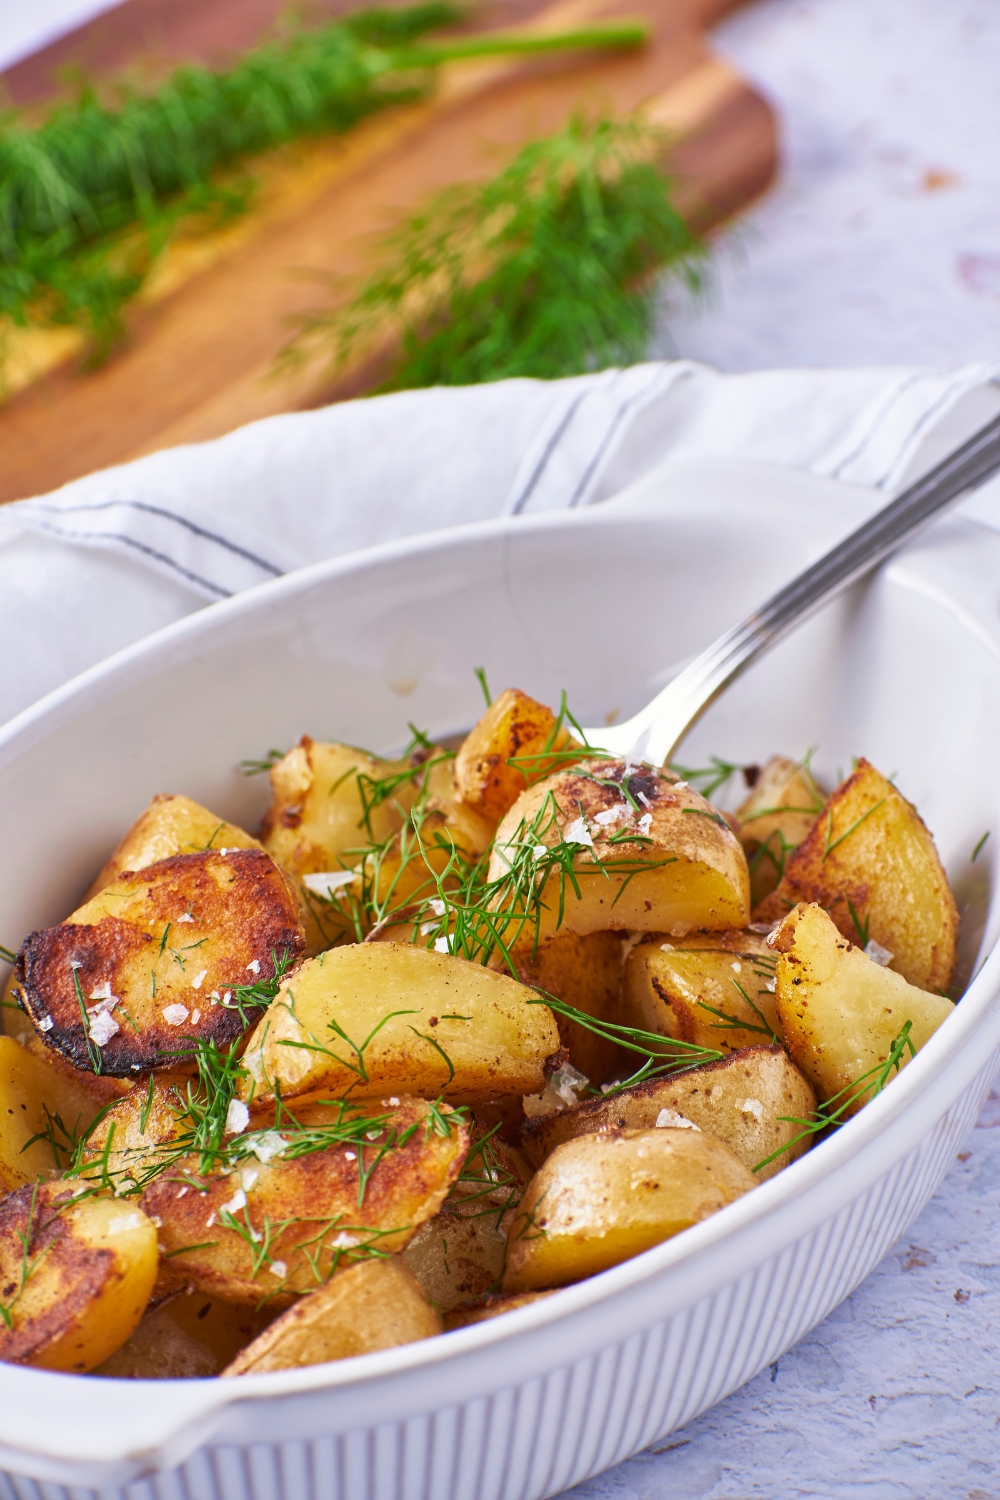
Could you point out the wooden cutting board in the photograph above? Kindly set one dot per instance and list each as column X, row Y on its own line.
column 202, row 344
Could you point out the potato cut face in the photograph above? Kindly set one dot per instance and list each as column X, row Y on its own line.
column 83, row 1285
column 517, row 742
column 160, row 957
column 711, row 989
column 280, row 1227
column 750, row 1101
column 842, row 1013
column 378, row 1017
column 130, row 1143
column 169, row 825
column 187, row 1337
column 605, row 847
column 376, row 1304
column 37, row 1099
column 778, row 814
column 490, row 1307
column 585, row 971
column 871, row 863
column 600, row 1199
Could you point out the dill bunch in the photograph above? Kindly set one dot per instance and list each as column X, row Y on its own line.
column 548, row 269
column 90, row 197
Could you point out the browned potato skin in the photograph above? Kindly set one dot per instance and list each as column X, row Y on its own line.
column 586, row 972
column 712, row 1097
column 600, row 1199
column 186, row 1337
column 376, row 1304
column 840, row 1011
column 889, row 869
column 669, row 985
column 779, row 812
column 698, row 872
column 490, row 1307
column 29, row 1085
column 319, row 1193
column 169, row 825
column 128, row 1141
column 92, row 1268
column 237, row 906
column 513, row 726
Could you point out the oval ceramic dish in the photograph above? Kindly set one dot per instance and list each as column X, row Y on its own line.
column 606, row 604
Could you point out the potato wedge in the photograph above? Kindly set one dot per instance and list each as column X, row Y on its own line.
column 711, row 989
column 872, row 864
column 136, row 1136
column 37, row 1100
column 514, row 728
column 594, row 864
column 375, row 1304
column 376, row 1017
column 185, row 1337
column 75, row 1276
column 600, row 1199
column 586, row 972
column 159, row 957
column 490, row 1307
column 170, row 825
column 749, row 1100
column 840, row 1012
column 281, row 1226
column 780, row 810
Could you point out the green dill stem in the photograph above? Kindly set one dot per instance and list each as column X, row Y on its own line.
column 481, row 678
column 975, row 852
column 7, row 956
column 612, row 35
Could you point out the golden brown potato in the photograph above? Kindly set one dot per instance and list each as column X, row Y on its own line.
column 375, row 1304
column 490, row 1307
column 185, row 1337
column 750, row 1100
column 780, row 810
column 586, row 972
column 281, row 1226
column 872, row 864
column 596, row 864
column 600, row 1199
column 37, row 1100
column 379, row 1016
column 158, row 958
column 139, row 1132
column 711, row 989
column 75, row 1276
column 170, row 825
column 514, row 728
column 840, row 1012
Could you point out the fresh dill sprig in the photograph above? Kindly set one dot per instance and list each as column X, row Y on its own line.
column 8, row 956
column 258, row 767
column 662, row 1054
column 708, row 779
column 548, row 269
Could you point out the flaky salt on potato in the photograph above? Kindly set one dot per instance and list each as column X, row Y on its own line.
column 169, row 825
column 841, row 1013
column 375, row 1304
column 157, row 958
column 781, row 809
column 600, row 1199
column 515, row 728
column 870, row 861
column 40, row 1105
column 750, row 1100
column 279, row 1224
column 75, row 1276
column 608, row 847
column 714, row 990
column 373, row 1017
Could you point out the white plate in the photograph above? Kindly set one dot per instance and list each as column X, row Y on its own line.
column 606, row 604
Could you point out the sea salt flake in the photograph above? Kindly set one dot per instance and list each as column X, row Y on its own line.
column 102, row 992
column 199, row 980
column 680, row 786
column 187, row 917
column 330, row 884
column 253, row 966
column 878, row 954
column 210, row 1220
column 538, row 850
column 442, row 945
column 175, row 1015
column 123, row 1223
column 666, row 947
column 195, row 1017
column 736, row 967
column 45, row 1023
column 578, row 833
column 611, row 814
column 752, row 1107
column 103, row 1027
column 237, row 1117
column 267, row 1145
column 393, row 1102
column 770, row 985
column 426, row 928
column 350, row 1156
column 248, row 1177
column 437, row 906
column 344, row 1241
column 669, row 1118
column 644, row 799
column 236, row 1202
column 278, row 1268
column 645, row 823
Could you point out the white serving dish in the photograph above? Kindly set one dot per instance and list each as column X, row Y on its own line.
column 606, row 604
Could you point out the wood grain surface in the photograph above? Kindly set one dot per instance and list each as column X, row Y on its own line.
column 202, row 342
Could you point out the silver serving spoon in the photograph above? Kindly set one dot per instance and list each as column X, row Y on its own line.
column 656, row 730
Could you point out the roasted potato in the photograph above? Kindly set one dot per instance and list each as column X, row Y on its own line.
column 586, row 972
column 75, row 1276
column 379, row 1016
column 871, row 863
column 18, row 1026
column 184, row 1337
column 160, row 957
column 596, row 864
column 780, row 810
column 600, row 1199
column 36, row 1100
column 138, row 1133
column 280, row 1226
column 490, row 1307
column 750, row 1100
column 711, row 989
column 170, row 825
column 840, row 1012
column 375, row 1304
column 513, row 729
